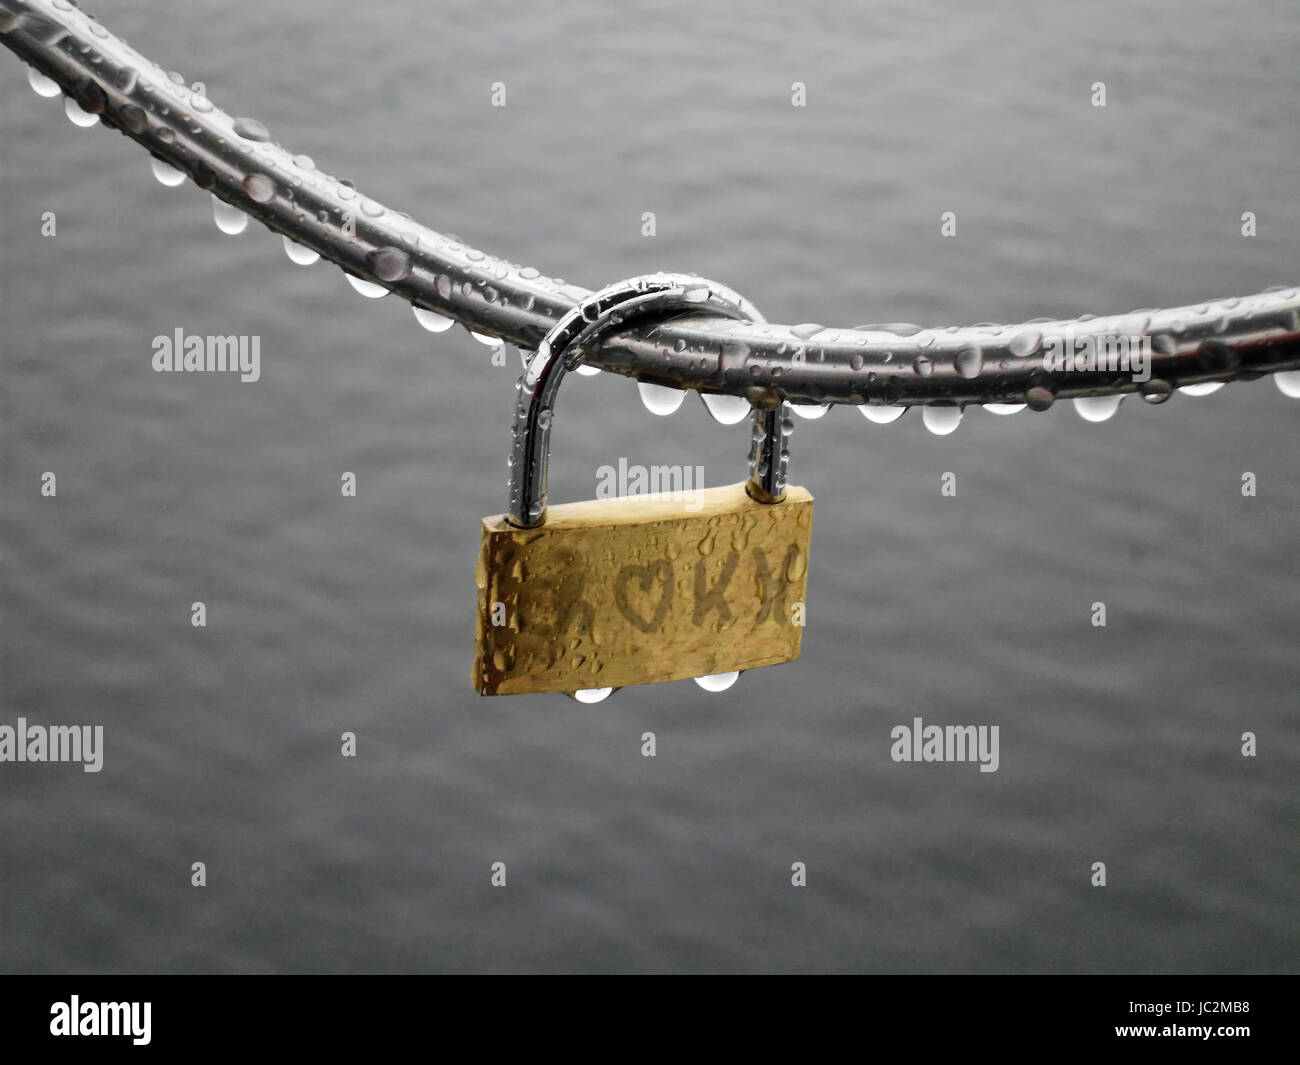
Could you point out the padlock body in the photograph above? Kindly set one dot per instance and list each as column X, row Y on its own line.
column 610, row 593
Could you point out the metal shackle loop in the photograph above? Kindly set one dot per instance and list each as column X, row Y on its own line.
column 564, row 347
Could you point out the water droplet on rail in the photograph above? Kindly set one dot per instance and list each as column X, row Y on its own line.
column 660, row 399
column 718, row 682
column 77, row 116
column 369, row 289
column 941, row 420
column 881, row 415
column 586, row 370
column 1004, row 408
column 807, row 330
column 260, row 188
column 134, row 118
column 1025, row 344
column 1096, row 408
column 432, row 320
column 592, row 695
column 41, row 85
column 484, row 338
column 1155, row 390
column 811, row 411
column 299, row 253
column 1288, row 383
column 166, row 173
column 251, row 129
column 923, row 366
column 389, row 264
column 725, row 410
column 230, row 219
column 1039, row 398
column 1205, row 388
column 969, row 361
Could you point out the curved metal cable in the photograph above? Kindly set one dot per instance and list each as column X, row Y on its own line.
column 235, row 159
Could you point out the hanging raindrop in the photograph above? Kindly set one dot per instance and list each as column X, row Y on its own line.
column 660, row 399
column 881, row 415
column 166, row 173
column 1097, row 408
column 77, row 116
column 726, row 410
column 718, row 682
column 941, row 420
column 42, row 85
column 432, row 321
column 367, row 288
column 300, row 254
column 230, row 219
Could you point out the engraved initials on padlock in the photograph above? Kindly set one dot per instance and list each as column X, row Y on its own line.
column 609, row 593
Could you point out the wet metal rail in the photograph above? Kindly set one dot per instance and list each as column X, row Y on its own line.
column 732, row 363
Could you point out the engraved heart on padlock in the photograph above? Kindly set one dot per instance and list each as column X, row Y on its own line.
column 646, row 578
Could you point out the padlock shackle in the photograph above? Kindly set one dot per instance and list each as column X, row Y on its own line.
column 661, row 295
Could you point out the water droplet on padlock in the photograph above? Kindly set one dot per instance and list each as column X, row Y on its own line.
column 660, row 399
column 230, row 219
column 718, row 682
column 299, row 253
column 166, row 173
column 1097, row 408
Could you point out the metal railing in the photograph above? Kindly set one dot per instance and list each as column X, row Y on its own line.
column 448, row 281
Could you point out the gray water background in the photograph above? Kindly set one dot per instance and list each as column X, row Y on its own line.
column 328, row 614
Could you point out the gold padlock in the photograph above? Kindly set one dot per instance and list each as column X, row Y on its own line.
column 593, row 596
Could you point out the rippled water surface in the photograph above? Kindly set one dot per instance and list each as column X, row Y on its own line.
column 328, row 614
